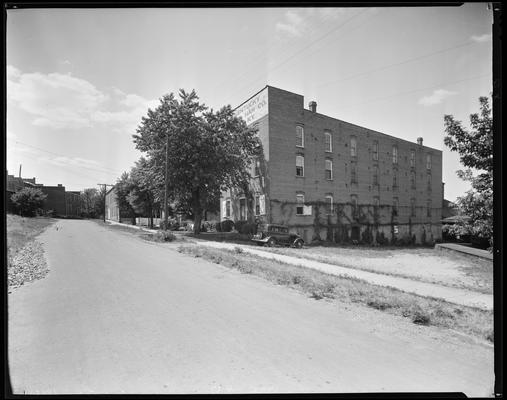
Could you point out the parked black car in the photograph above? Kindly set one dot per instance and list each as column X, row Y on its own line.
column 272, row 235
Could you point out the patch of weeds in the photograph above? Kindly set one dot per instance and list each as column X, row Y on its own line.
column 162, row 236
column 297, row 280
column 490, row 336
column 238, row 250
column 417, row 315
column 378, row 304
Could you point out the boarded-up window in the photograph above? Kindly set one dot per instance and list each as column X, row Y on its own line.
column 395, row 154
column 353, row 147
column 353, row 173
column 329, row 204
column 300, row 136
column 375, row 150
column 412, row 158
column 328, row 141
column 428, row 161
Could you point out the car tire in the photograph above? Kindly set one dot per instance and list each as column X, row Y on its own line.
column 298, row 244
column 271, row 242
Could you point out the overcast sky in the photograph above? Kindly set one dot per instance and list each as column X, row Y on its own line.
column 79, row 80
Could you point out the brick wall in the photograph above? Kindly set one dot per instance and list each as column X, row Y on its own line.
column 280, row 183
column 55, row 199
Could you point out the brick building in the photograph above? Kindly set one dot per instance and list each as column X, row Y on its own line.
column 60, row 202
column 332, row 180
column 112, row 208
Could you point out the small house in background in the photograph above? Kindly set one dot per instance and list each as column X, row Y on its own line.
column 112, row 208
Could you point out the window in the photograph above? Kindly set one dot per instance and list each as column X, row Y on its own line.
column 412, row 207
column 300, row 166
column 395, row 180
column 329, row 170
column 395, row 154
column 257, row 205
column 300, row 204
column 242, row 209
column 395, row 206
column 428, row 182
column 376, row 205
column 428, row 161
column 412, row 179
column 353, row 173
column 300, row 136
column 329, row 204
column 375, row 176
column 353, row 204
column 428, row 208
column 375, row 150
column 257, row 167
column 228, row 208
column 353, row 147
column 328, row 141
column 412, row 158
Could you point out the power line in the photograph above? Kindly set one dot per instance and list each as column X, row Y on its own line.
column 307, row 46
column 415, row 91
column 99, row 169
column 396, row 64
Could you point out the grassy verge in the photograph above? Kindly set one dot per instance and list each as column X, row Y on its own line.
column 318, row 285
column 21, row 231
column 480, row 271
column 25, row 256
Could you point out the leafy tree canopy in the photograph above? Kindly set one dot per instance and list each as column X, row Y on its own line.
column 28, row 201
column 475, row 148
column 208, row 151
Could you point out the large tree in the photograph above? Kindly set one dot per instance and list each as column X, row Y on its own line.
column 123, row 187
column 207, row 151
column 475, row 148
column 144, row 195
column 28, row 201
column 88, row 202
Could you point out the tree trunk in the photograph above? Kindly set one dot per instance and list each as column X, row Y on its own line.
column 197, row 221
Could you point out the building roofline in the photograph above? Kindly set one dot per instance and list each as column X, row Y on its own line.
column 251, row 97
column 334, row 118
column 371, row 130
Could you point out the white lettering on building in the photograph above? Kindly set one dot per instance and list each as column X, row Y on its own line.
column 254, row 108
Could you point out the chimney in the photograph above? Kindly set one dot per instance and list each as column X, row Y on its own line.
column 59, row 185
column 419, row 141
column 312, row 106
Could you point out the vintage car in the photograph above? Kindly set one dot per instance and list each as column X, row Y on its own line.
column 272, row 235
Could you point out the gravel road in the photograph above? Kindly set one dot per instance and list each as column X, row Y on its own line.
column 117, row 314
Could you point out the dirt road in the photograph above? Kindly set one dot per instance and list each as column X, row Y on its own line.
column 120, row 315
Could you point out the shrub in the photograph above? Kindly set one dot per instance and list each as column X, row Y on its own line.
column 247, row 229
column 227, row 225
column 27, row 201
column 164, row 236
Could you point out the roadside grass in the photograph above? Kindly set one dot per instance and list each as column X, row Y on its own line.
column 420, row 310
column 25, row 256
column 479, row 270
column 23, row 230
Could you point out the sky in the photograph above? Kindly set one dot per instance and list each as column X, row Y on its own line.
column 80, row 80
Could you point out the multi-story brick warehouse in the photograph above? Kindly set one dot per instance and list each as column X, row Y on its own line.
column 332, row 180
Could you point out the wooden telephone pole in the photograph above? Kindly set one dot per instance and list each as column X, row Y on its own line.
column 105, row 185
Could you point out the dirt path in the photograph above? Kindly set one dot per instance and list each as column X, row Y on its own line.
column 120, row 315
column 450, row 294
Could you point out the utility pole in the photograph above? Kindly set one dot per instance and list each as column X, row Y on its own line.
column 166, row 208
column 105, row 185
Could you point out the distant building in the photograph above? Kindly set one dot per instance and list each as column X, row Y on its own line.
column 328, row 179
column 112, row 208
column 58, row 201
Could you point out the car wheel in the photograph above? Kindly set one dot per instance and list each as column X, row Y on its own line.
column 271, row 242
column 298, row 244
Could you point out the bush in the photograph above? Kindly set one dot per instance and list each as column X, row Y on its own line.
column 164, row 236
column 27, row 201
column 248, row 229
column 227, row 225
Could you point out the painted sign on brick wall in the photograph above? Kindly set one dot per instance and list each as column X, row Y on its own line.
column 254, row 108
